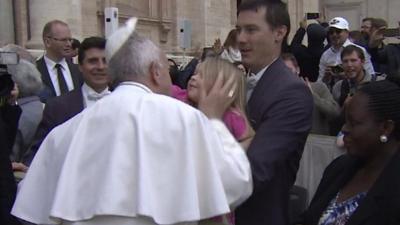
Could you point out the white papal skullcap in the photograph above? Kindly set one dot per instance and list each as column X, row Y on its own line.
column 119, row 37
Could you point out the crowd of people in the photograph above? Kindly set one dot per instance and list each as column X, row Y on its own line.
column 112, row 132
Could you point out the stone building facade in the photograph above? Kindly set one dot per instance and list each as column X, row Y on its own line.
column 21, row 21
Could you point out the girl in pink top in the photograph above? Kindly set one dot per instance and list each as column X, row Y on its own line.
column 203, row 78
column 234, row 118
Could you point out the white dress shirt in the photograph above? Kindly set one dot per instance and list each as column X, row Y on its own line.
column 331, row 57
column 51, row 67
column 90, row 96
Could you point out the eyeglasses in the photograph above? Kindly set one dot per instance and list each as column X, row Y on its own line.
column 61, row 40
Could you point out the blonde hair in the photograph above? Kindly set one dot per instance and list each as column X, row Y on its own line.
column 210, row 68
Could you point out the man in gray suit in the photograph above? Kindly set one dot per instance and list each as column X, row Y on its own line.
column 279, row 109
column 58, row 74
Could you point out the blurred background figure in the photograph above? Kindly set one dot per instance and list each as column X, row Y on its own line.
column 27, row 77
column 325, row 107
column 22, row 52
column 365, row 31
column 9, row 116
column 73, row 54
column 230, row 50
column 309, row 57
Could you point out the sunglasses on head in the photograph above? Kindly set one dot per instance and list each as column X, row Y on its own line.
column 334, row 30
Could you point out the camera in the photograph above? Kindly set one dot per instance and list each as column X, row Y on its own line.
column 6, row 83
column 337, row 69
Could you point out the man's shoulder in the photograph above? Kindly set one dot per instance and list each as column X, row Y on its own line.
column 281, row 84
column 65, row 99
column 325, row 55
column 168, row 103
column 41, row 65
column 319, row 87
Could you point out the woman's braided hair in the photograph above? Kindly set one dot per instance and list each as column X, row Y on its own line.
column 384, row 100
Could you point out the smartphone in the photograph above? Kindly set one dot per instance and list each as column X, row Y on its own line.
column 312, row 16
column 391, row 32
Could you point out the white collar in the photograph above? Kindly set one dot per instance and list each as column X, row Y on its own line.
column 89, row 90
column 139, row 85
column 258, row 75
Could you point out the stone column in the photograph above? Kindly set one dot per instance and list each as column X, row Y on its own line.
column 6, row 22
column 21, row 22
column 43, row 11
column 218, row 20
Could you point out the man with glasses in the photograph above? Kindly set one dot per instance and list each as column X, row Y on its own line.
column 58, row 75
column 330, row 69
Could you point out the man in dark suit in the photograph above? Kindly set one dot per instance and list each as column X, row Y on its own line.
column 93, row 66
column 58, row 74
column 279, row 109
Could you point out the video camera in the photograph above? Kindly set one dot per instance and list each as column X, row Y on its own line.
column 6, row 83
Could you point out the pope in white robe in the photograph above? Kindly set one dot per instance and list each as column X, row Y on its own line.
column 135, row 157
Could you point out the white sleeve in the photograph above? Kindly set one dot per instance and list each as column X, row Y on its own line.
column 239, row 187
column 322, row 67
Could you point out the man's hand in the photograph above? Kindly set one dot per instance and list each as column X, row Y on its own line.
column 220, row 97
column 19, row 167
column 217, row 46
column 376, row 38
column 303, row 23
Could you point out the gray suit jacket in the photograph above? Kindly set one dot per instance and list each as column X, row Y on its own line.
column 279, row 110
column 31, row 115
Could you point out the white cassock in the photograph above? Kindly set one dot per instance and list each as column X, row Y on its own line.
column 135, row 157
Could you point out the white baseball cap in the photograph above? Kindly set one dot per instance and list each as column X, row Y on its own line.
column 339, row 23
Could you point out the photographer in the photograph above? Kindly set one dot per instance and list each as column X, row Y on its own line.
column 353, row 60
column 27, row 77
column 9, row 115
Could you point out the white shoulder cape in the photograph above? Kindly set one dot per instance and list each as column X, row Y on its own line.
column 135, row 153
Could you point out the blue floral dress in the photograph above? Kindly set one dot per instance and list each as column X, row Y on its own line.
column 339, row 213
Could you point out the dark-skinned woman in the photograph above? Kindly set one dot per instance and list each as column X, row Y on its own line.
column 362, row 187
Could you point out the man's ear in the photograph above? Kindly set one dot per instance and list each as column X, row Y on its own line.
column 154, row 70
column 46, row 42
column 280, row 33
